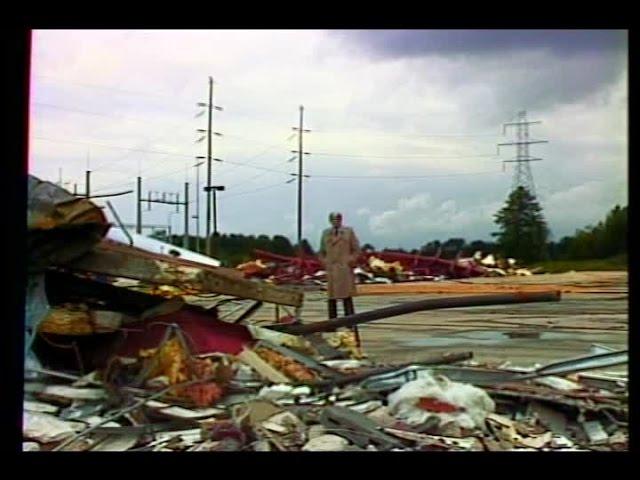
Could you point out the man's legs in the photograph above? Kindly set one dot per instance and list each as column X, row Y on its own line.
column 349, row 310
column 348, row 306
column 333, row 308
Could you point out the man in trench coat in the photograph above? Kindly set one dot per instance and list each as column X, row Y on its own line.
column 339, row 251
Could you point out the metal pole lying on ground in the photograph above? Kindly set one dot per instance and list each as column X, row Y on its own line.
column 438, row 359
column 419, row 306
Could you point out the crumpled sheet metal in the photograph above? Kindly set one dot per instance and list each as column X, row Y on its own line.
column 61, row 227
column 37, row 309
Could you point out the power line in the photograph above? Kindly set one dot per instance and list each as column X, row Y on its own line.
column 166, row 174
column 391, row 177
column 181, row 168
column 149, row 141
column 408, row 156
column 375, row 133
column 141, row 120
column 242, row 137
column 99, row 114
column 255, row 190
column 113, row 89
column 271, row 147
column 157, row 152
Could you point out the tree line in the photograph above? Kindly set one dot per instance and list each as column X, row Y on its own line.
column 522, row 234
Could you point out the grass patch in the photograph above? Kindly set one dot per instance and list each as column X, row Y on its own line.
column 618, row 262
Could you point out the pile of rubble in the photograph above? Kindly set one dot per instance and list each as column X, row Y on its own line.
column 127, row 349
column 502, row 267
column 380, row 267
column 274, row 397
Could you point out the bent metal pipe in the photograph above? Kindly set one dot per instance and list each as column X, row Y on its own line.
column 418, row 306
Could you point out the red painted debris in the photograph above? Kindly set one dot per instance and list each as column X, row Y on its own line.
column 287, row 319
column 203, row 332
column 283, row 269
column 203, row 395
column 432, row 405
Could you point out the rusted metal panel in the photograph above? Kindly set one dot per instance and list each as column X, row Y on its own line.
column 61, row 227
column 123, row 261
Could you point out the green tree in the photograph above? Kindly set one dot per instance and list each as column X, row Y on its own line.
column 480, row 246
column 430, row 248
column 523, row 229
column 282, row 246
column 604, row 240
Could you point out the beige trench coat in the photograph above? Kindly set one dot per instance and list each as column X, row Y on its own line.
column 336, row 252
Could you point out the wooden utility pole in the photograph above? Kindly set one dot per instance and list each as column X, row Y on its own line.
column 87, row 184
column 300, row 181
column 185, row 242
column 209, row 133
column 197, row 215
column 300, row 176
column 139, row 208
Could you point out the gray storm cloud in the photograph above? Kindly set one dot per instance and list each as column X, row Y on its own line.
column 383, row 104
column 407, row 43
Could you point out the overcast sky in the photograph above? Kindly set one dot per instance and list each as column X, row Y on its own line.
column 404, row 124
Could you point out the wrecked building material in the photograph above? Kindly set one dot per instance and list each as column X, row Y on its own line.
column 60, row 226
column 379, row 373
column 117, row 260
column 168, row 375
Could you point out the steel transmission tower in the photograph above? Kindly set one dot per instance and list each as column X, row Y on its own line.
column 522, row 176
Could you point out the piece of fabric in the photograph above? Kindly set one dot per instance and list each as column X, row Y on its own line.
column 337, row 252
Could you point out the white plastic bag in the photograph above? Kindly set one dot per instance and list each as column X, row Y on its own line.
column 473, row 402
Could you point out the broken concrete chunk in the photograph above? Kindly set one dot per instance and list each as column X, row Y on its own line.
column 70, row 393
column 595, row 432
column 538, row 441
column 284, row 422
column 326, row 443
column 257, row 411
column 46, row 428
column 196, row 413
column 275, row 392
column 116, row 443
column 618, row 438
column 316, row 430
column 558, row 383
column 35, row 406
column 382, row 417
column 367, row 406
column 262, row 446
column 560, row 441
column 188, row 436
column 30, row 447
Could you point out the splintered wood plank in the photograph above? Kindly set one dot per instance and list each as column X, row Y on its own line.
column 129, row 262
